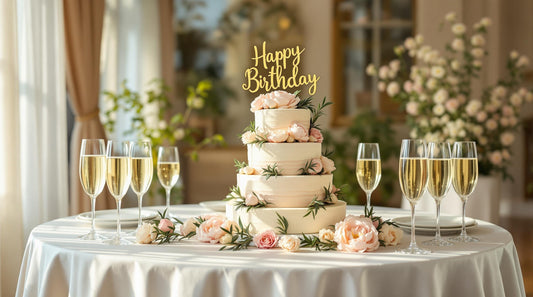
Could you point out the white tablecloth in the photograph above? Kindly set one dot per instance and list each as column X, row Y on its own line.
column 57, row 263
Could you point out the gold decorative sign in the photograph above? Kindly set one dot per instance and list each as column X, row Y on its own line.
column 276, row 62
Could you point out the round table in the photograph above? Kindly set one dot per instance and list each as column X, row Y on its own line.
column 57, row 263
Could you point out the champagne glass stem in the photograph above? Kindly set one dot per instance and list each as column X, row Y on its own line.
column 93, row 202
column 463, row 230
column 140, row 201
column 119, row 201
column 413, row 241
column 168, row 199
column 437, row 235
column 368, row 194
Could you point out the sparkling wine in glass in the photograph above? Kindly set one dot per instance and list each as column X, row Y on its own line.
column 440, row 178
column 413, row 175
column 92, row 176
column 118, row 178
column 465, row 173
column 368, row 168
column 142, row 171
column 168, row 169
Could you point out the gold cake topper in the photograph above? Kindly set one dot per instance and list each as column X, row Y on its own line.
column 275, row 62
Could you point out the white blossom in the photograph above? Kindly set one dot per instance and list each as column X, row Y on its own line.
column 458, row 45
column 450, row 17
column 438, row 109
column 513, row 55
column 458, row 29
column 371, row 70
column 393, row 88
column 523, row 61
column 477, row 40
column 383, row 72
column 507, row 138
column 437, row 71
column 440, row 96
column 485, row 22
column 516, row 99
column 477, row 52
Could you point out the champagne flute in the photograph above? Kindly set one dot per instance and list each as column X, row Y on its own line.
column 141, row 171
column 465, row 174
column 368, row 168
column 118, row 178
column 440, row 178
column 168, row 169
column 413, row 175
column 92, row 176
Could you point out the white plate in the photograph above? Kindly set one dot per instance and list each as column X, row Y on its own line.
column 428, row 222
column 431, row 231
column 218, row 205
column 108, row 217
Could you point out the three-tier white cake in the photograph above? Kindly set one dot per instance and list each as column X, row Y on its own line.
column 286, row 175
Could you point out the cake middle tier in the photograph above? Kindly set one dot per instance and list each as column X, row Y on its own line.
column 285, row 191
column 289, row 157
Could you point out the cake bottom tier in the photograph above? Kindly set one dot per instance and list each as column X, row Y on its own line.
column 261, row 219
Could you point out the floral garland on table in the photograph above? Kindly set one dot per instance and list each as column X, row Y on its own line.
column 364, row 233
column 437, row 93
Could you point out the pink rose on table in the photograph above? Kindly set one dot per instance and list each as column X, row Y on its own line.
column 298, row 132
column 165, row 225
column 210, row 230
column 390, row 235
column 315, row 167
column 315, row 135
column 356, row 235
column 266, row 239
column 278, row 136
column 290, row 243
column 145, row 233
column 327, row 164
column 188, row 227
column 284, row 100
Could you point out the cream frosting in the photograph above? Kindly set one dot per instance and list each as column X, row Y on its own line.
column 289, row 157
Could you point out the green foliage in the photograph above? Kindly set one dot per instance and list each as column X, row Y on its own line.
column 283, row 224
column 314, row 242
column 271, row 171
column 365, row 127
column 241, row 238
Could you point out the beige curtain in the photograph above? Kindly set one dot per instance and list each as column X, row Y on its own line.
column 168, row 42
column 83, row 35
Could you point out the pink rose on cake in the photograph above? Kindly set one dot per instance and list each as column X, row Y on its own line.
column 328, row 164
column 266, row 239
column 258, row 102
column 390, row 235
column 298, row 132
column 356, row 234
column 315, row 135
column 315, row 167
column 278, row 136
column 284, row 100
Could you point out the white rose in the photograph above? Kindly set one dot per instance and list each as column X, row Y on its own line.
column 285, row 100
column 413, row 134
column 522, row 61
column 197, row 103
column 390, row 235
column 434, row 121
column 473, row 107
column 399, row 50
column 382, row 86
column 504, row 122
column 506, row 155
column 327, row 164
column 188, row 227
column 458, row 29
column 485, row 22
column 453, row 80
column 455, row 65
column 145, row 233
column 248, row 137
column 371, row 70
column 251, row 200
column 445, row 119
column 437, row 71
column 290, row 243
column 483, row 140
column 438, row 109
column 395, row 65
column 270, row 103
column 477, row 130
column 491, row 124
column 277, row 136
column 179, row 134
column 410, row 43
column 513, row 121
column 481, row 116
column 411, row 108
column 477, row 40
column 431, row 83
column 477, row 52
column 507, row 138
column 247, row 170
column 477, row 63
column 393, row 88
column 419, row 39
column 431, row 56
column 162, row 125
column 383, row 72
column 500, row 91
column 495, row 158
column 515, row 99
column 450, row 17
column 458, row 45
column 225, row 239
column 440, row 96
column 513, row 55
column 326, row 234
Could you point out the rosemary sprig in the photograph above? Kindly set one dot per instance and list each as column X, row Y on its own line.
column 240, row 239
column 283, row 224
column 318, row 112
column 309, row 165
column 306, row 103
column 369, row 213
column 296, row 93
column 314, row 242
column 260, row 140
column 168, row 236
column 328, row 153
column 240, row 200
column 250, row 128
column 270, row 171
column 239, row 165
column 314, row 207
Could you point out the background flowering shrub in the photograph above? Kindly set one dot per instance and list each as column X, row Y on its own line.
column 438, row 98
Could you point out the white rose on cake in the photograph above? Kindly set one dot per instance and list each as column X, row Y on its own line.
column 284, row 99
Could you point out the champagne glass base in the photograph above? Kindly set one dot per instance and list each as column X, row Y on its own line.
column 413, row 249
column 92, row 236
column 118, row 241
column 437, row 242
column 464, row 238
